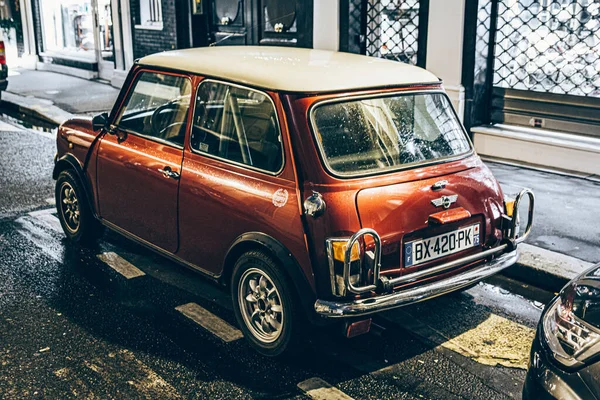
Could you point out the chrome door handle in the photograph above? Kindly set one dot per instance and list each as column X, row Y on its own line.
column 169, row 173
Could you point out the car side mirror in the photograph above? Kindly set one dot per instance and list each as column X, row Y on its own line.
column 100, row 121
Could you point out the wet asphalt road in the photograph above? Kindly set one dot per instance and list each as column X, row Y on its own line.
column 71, row 326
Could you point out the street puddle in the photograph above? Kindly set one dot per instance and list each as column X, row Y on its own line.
column 29, row 122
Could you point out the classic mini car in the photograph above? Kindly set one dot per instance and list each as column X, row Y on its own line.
column 565, row 355
column 315, row 185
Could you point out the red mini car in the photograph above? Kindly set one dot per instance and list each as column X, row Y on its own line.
column 315, row 185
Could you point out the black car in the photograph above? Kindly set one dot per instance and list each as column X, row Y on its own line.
column 565, row 356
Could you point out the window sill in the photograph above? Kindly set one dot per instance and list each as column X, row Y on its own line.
column 156, row 27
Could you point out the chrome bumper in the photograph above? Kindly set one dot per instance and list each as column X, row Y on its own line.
column 353, row 308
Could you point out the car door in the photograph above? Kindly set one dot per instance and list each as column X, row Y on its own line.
column 234, row 180
column 139, row 161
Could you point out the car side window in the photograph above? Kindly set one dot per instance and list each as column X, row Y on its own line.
column 237, row 124
column 157, row 107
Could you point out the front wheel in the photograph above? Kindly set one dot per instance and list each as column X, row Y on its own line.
column 74, row 213
column 264, row 304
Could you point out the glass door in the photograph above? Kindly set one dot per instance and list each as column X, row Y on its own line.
column 105, row 48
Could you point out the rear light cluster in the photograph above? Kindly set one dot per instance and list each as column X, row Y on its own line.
column 2, row 53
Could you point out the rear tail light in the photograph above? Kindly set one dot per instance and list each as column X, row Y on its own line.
column 2, row 53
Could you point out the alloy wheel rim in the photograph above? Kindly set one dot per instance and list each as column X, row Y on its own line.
column 69, row 207
column 261, row 306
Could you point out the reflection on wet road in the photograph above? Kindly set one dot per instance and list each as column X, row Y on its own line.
column 118, row 321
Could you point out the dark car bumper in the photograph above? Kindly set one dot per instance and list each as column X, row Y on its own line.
column 3, row 76
column 546, row 381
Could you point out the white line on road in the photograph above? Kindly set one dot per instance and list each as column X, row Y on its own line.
column 120, row 265
column 8, row 127
column 210, row 322
column 318, row 389
column 48, row 218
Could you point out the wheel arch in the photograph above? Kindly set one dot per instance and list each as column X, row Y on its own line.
column 260, row 241
column 70, row 162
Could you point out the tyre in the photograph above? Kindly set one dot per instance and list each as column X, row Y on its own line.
column 264, row 304
column 73, row 209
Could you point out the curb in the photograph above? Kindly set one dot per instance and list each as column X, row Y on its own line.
column 39, row 109
column 545, row 269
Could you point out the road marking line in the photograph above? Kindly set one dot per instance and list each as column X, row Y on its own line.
column 318, row 389
column 210, row 322
column 495, row 341
column 51, row 201
column 46, row 241
column 8, row 127
column 42, row 212
column 120, row 265
column 144, row 380
column 48, row 218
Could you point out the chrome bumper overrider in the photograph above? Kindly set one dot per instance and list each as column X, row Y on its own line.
column 351, row 308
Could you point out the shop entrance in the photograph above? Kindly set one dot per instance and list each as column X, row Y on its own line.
column 105, row 49
column 79, row 34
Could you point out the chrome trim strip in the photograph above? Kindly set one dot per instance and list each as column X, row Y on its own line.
column 341, row 309
column 226, row 160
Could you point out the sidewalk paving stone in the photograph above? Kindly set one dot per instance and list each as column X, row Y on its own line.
column 72, row 94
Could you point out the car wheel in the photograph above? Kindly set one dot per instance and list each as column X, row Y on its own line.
column 74, row 213
column 264, row 304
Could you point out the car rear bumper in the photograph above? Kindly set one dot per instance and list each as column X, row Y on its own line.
column 353, row 308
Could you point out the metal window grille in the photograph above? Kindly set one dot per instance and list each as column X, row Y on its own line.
column 154, row 10
column 392, row 29
column 356, row 26
column 548, row 46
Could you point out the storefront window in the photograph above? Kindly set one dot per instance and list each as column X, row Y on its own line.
column 105, row 25
column 68, row 27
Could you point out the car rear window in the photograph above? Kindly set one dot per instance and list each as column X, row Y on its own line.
column 385, row 133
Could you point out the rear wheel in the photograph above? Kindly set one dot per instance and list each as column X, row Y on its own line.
column 74, row 213
column 264, row 303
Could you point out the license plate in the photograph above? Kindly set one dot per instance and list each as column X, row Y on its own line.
column 423, row 250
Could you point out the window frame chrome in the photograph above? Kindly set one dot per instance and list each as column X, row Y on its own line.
column 130, row 91
column 226, row 160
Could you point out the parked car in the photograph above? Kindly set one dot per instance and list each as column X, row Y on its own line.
column 565, row 355
column 311, row 183
column 3, row 68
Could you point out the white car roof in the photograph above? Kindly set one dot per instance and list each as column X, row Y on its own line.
column 291, row 69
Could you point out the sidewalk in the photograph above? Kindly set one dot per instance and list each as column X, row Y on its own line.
column 565, row 239
column 55, row 96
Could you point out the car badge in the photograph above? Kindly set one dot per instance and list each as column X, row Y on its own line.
column 439, row 185
column 445, row 201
